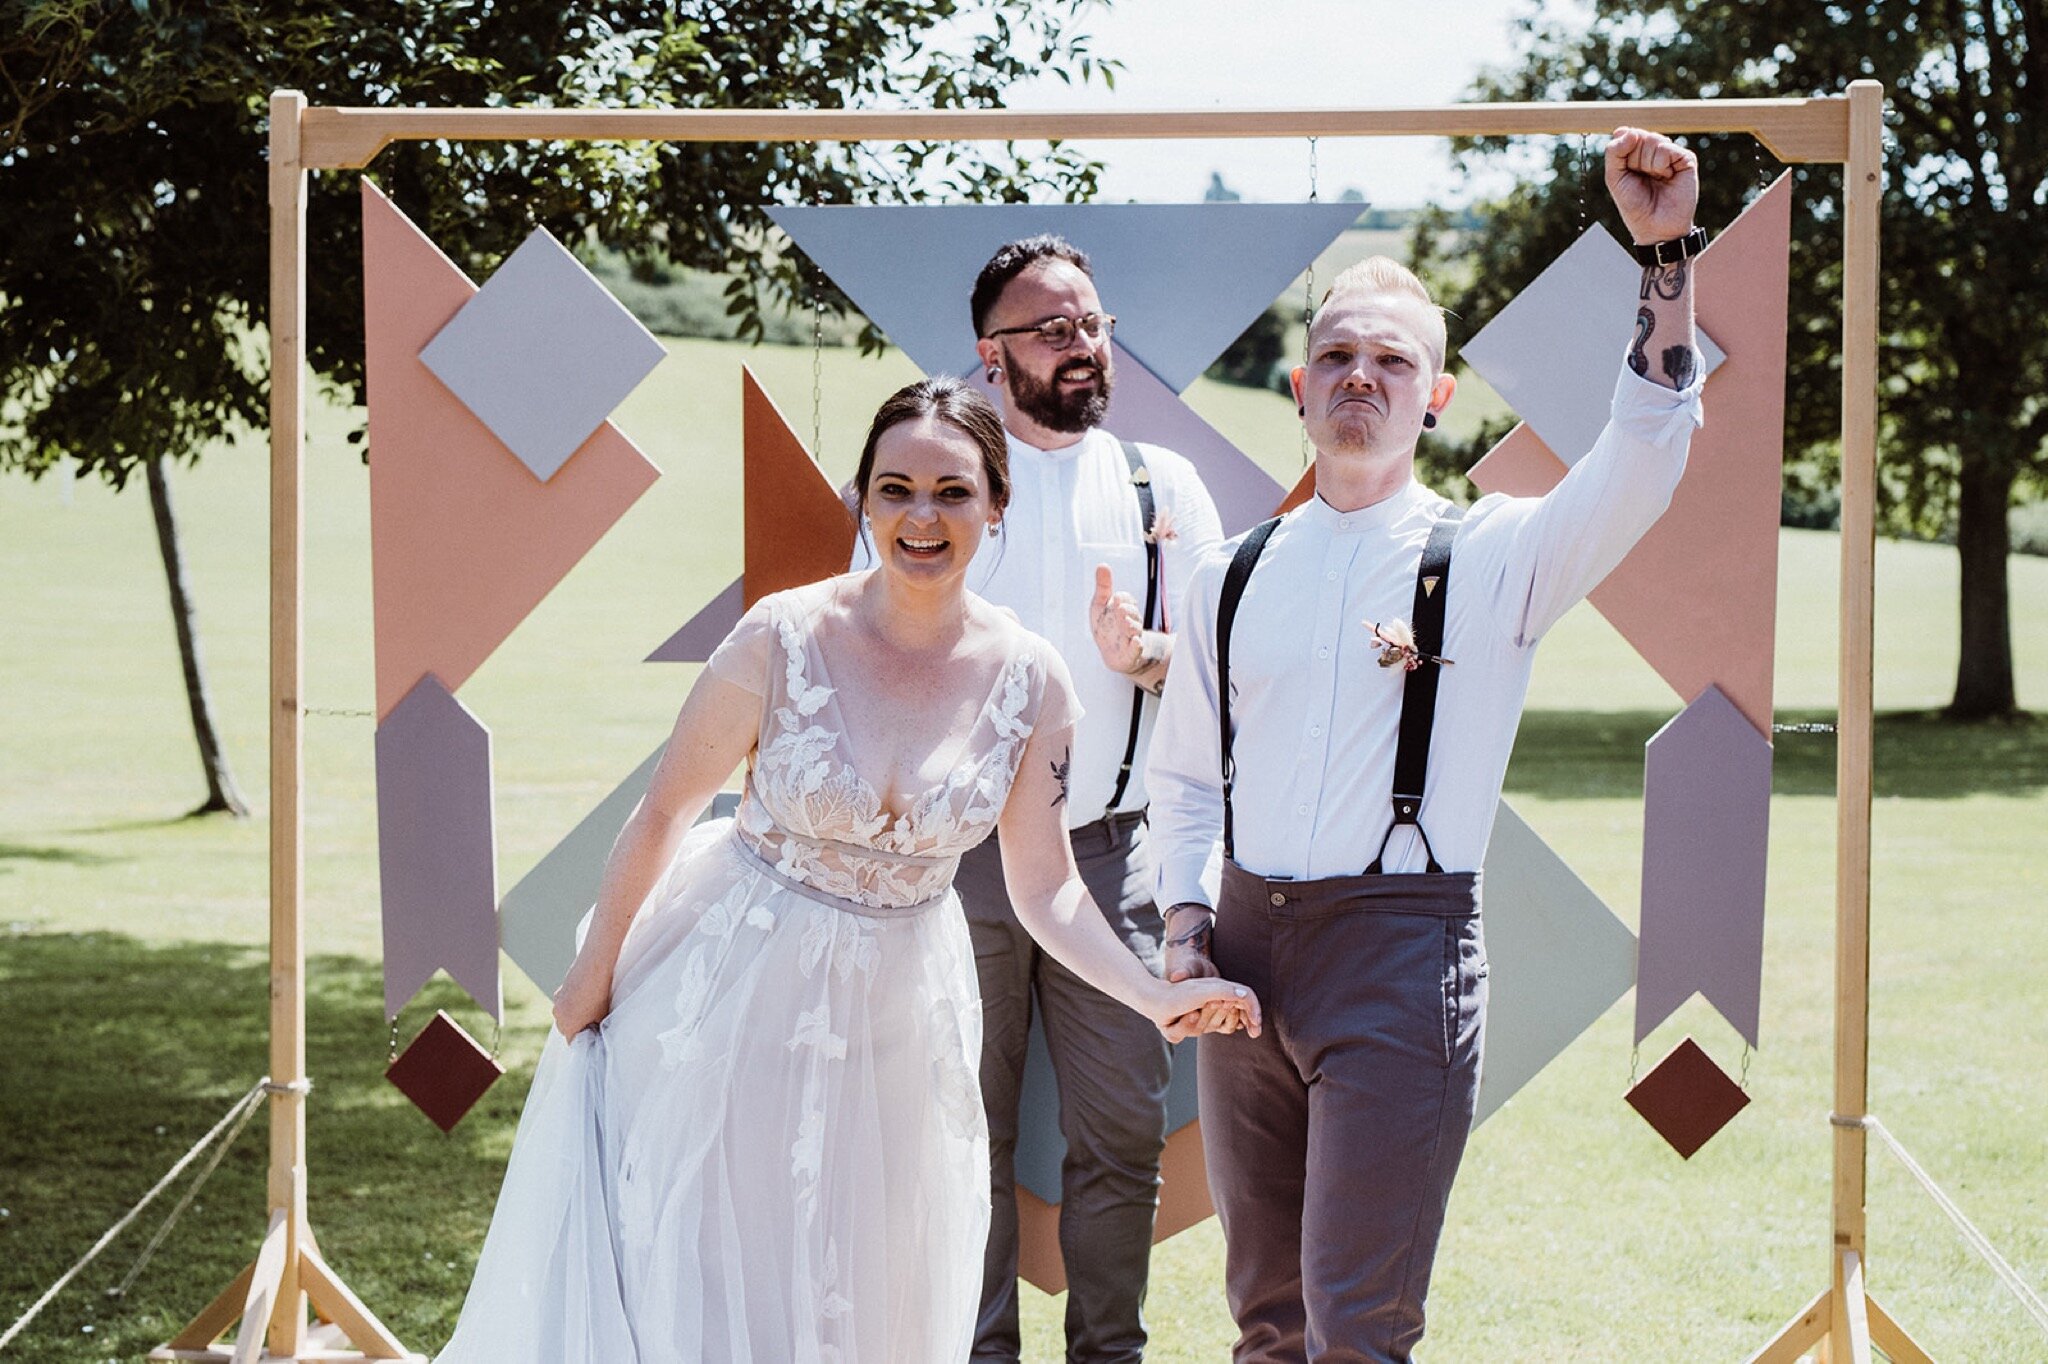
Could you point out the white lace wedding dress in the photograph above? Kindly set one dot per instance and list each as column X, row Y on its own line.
column 773, row 1150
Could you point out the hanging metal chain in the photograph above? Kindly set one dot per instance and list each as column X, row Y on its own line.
column 1635, row 1056
column 392, row 1059
column 1308, row 295
column 1581, row 171
column 817, row 370
column 1743, row 1079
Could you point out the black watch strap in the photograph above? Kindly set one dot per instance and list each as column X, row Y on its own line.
column 1655, row 255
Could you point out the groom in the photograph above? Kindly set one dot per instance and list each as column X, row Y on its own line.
column 1341, row 710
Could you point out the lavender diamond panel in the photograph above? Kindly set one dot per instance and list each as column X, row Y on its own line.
column 1706, row 839
column 1552, row 352
column 542, row 354
column 436, row 847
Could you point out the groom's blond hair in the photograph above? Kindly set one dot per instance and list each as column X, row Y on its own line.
column 1384, row 275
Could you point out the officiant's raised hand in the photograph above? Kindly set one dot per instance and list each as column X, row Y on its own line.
column 1118, row 627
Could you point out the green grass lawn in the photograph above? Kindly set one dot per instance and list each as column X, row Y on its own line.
column 132, row 974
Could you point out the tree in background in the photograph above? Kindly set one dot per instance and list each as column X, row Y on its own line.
column 1965, row 222
column 133, row 244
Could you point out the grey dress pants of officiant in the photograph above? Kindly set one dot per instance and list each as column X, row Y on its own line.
column 1332, row 1139
column 1112, row 1068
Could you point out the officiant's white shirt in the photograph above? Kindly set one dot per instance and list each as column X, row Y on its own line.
column 1071, row 509
column 1317, row 717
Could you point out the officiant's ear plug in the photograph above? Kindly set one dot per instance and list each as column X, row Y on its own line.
column 1301, row 409
column 995, row 374
column 1429, row 421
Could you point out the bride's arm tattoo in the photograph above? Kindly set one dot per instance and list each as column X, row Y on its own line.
column 1060, row 772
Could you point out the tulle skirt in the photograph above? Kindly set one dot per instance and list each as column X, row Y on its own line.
column 772, row 1151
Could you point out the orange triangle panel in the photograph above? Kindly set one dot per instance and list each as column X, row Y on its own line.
column 464, row 540
column 797, row 529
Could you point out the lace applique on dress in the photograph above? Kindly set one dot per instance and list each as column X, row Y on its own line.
column 816, row 820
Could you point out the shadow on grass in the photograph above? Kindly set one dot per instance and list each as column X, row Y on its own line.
column 119, row 1055
column 26, row 852
column 1566, row 755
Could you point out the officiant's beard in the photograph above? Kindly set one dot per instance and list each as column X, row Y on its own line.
column 1073, row 411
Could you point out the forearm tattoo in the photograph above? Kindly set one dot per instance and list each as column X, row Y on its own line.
column 1665, row 281
column 1061, row 770
column 1679, row 365
column 1638, row 353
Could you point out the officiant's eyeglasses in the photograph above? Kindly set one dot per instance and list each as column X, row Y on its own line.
column 1059, row 332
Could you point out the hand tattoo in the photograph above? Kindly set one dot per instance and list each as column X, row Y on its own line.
column 1666, row 281
column 1060, row 773
column 1679, row 365
column 1638, row 357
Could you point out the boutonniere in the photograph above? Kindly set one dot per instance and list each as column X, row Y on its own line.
column 1163, row 528
column 1396, row 641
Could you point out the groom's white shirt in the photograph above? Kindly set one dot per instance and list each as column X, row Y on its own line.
column 1317, row 717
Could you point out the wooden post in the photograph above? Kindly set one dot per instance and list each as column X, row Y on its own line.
column 287, row 1325
column 271, row 1294
column 1862, row 188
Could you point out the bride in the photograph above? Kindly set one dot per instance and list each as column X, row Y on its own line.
column 757, row 1133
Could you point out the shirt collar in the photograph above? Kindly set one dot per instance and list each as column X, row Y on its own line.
column 1379, row 516
column 1023, row 449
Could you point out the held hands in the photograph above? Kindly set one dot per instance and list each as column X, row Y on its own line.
column 1187, row 959
column 1191, row 1007
column 1654, row 182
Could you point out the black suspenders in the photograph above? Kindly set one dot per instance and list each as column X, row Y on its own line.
column 1418, row 696
column 1141, row 479
column 1234, row 579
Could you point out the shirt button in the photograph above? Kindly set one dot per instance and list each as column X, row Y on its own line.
column 1331, row 576
column 1345, row 523
column 1278, row 899
column 1301, row 809
column 1323, row 652
column 1315, row 731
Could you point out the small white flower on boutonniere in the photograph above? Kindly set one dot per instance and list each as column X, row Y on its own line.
column 1396, row 641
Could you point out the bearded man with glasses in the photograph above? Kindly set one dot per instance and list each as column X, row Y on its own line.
column 1099, row 537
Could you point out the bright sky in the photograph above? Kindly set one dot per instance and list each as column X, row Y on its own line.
column 1204, row 54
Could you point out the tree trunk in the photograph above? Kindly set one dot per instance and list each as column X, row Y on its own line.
column 221, row 794
column 1984, row 684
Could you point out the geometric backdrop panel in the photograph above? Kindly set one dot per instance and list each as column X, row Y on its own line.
column 1706, row 843
column 1184, row 280
column 1551, row 351
column 464, row 540
column 437, row 849
column 1558, row 958
column 1697, row 596
column 542, row 354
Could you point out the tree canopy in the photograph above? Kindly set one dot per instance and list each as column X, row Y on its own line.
column 1964, row 386
column 133, row 247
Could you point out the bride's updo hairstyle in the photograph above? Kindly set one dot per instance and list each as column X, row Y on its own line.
column 958, row 405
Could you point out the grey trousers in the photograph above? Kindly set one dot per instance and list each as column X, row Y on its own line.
column 1112, row 1068
column 1332, row 1139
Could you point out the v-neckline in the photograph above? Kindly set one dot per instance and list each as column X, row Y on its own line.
column 814, row 651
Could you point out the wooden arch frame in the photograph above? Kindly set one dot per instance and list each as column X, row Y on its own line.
column 269, row 1298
